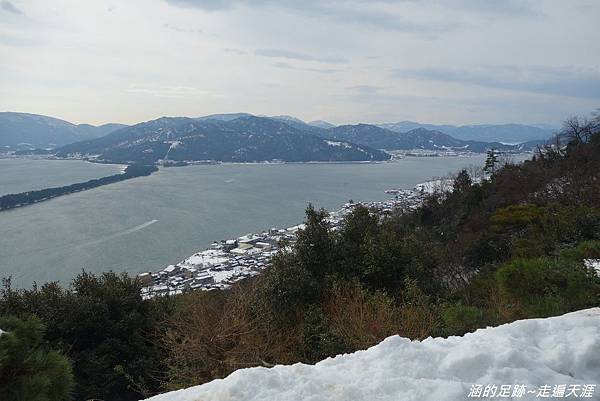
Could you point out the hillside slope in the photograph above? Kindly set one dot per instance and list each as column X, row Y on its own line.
column 243, row 139
column 418, row 138
column 535, row 352
column 19, row 131
column 508, row 133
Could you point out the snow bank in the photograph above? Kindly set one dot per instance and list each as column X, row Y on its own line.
column 433, row 186
column 562, row 350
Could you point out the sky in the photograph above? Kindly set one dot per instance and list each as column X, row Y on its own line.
column 432, row 61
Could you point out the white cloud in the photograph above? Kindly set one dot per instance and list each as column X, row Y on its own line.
column 9, row 7
column 279, row 53
column 168, row 91
column 455, row 61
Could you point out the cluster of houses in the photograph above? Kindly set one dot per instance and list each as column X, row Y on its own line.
column 231, row 260
column 221, row 265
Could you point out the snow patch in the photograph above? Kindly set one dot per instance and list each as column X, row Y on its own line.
column 433, row 186
column 594, row 264
column 339, row 144
column 534, row 353
column 205, row 259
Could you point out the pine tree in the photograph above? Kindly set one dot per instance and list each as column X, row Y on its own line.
column 28, row 371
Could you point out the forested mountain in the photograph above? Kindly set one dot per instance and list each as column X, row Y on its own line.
column 20, row 131
column 506, row 133
column 409, row 135
column 418, row 138
column 242, row 139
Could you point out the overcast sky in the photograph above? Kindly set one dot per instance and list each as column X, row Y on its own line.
column 437, row 61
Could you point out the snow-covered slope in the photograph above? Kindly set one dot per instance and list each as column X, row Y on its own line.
column 562, row 350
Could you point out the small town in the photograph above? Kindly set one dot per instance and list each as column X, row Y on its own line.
column 231, row 260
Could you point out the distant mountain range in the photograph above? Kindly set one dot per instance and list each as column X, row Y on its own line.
column 506, row 133
column 19, row 131
column 242, row 137
column 418, row 138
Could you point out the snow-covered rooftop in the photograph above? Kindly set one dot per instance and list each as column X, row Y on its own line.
column 533, row 353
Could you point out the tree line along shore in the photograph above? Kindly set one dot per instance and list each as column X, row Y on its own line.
column 12, row 201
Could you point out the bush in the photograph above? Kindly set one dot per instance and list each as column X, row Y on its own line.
column 104, row 326
column 418, row 318
column 361, row 318
column 284, row 291
column 543, row 287
column 515, row 217
column 28, row 371
column 211, row 334
column 460, row 319
column 319, row 340
column 585, row 250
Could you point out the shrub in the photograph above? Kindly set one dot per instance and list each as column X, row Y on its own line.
column 361, row 318
column 319, row 341
column 585, row 250
column 460, row 319
column 515, row 217
column 104, row 326
column 211, row 334
column 418, row 318
column 543, row 287
column 284, row 290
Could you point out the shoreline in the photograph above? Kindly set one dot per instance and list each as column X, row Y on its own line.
column 28, row 198
column 396, row 155
column 227, row 261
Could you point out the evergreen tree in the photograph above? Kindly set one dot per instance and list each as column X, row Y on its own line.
column 490, row 162
column 28, row 371
column 462, row 182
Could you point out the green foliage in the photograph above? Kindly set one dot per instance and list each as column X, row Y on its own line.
column 314, row 248
column 462, row 182
column 585, row 250
column 104, row 326
column 318, row 339
column 28, row 370
column 418, row 315
column 544, row 287
column 515, row 217
column 460, row 319
column 285, row 290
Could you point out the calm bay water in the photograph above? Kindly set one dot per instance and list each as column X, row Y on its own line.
column 18, row 175
column 149, row 222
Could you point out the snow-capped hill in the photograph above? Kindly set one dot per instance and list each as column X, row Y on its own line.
column 418, row 138
column 532, row 355
column 321, row 124
column 23, row 131
column 243, row 139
